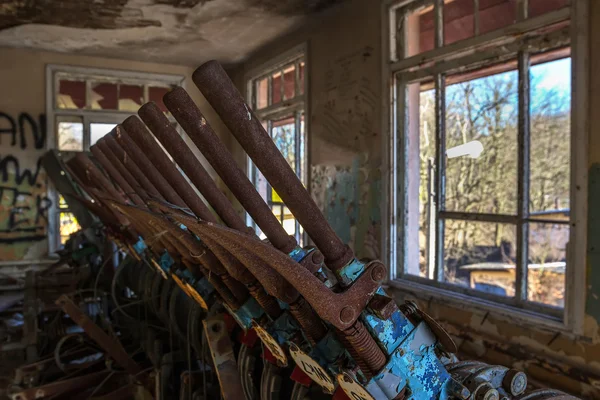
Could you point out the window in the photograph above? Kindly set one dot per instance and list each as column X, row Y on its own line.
column 482, row 145
column 276, row 93
column 82, row 106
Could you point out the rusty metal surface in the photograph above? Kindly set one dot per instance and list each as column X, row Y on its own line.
column 160, row 126
column 130, row 165
column 223, row 357
column 144, row 164
column 339, row 309
column 110, row 345
column 116, row 176
column 129, row 178
column 61, row 387
column 193, row 122
column 142, row 137
column 219, row 90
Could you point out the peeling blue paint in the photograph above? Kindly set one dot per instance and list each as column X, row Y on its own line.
column 140, row 246
column 351, row 272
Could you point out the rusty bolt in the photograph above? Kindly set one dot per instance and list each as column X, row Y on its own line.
column 347, row 314
column 383, row 306
column 378, row 272
column 486, row 392
column 317, row 257
column 515, row 382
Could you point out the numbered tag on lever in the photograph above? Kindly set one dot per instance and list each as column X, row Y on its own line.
column 353, row 389
column 312, row 368
column 271, row 344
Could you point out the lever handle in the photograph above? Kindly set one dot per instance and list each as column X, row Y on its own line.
column 339, row 309
column 221, row 93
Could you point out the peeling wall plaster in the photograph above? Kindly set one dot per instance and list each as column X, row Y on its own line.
column 186, row 32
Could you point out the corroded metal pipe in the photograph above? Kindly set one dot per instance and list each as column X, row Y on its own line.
column 144, row 164
column 160, row 126
column 192, row 121
column 129, row 178
column 140, row 135
column 131, row 166
column 217, row 88
column 116, row 176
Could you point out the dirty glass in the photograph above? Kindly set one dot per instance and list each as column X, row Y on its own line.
column 301, row 83
column 70, row 133
column 550, row 154
column 547, row 263
column 262, row 93
column 276, row 83
column 98, row 130
column 480, row 256
column 426, row 190
column 539, row 7
column 481, row 144
column 289, row 82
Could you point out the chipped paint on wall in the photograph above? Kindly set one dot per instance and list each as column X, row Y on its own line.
column 349, row 198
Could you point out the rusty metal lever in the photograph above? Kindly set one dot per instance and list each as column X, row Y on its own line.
column 339, row 309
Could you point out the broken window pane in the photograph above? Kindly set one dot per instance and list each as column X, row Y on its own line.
column 155, row 94
column 98, row 130
column 550, row 152
column 262, row 93
column 104, row 96
column 276, row 88
column 131, row 97
column 539, row 7
column 481, row 144
column 480, row 256
column 547, row 263
column 71, row 94
column 289, row 82
column 69, row 133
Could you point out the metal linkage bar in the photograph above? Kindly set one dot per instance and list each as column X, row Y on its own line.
column 131, row 166
column 129, row 178
column 140, row 135
column 220, row 92
column 144, row 164
column 221, row 351
column 193, row 122
column 160, row 126
column 112, row 347
column 116, row 176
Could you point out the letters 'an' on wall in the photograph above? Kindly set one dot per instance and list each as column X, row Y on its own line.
column 24, row 203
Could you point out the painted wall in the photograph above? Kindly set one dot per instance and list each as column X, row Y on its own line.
column 346, row 146
column 23, row 183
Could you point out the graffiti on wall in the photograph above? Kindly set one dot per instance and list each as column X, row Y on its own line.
column 24, row 202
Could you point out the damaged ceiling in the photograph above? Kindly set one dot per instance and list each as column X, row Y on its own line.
column 185, row 32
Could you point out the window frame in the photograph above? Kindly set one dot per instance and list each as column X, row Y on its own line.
column 296, row 108
column 493, row 44
column 88, row 117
